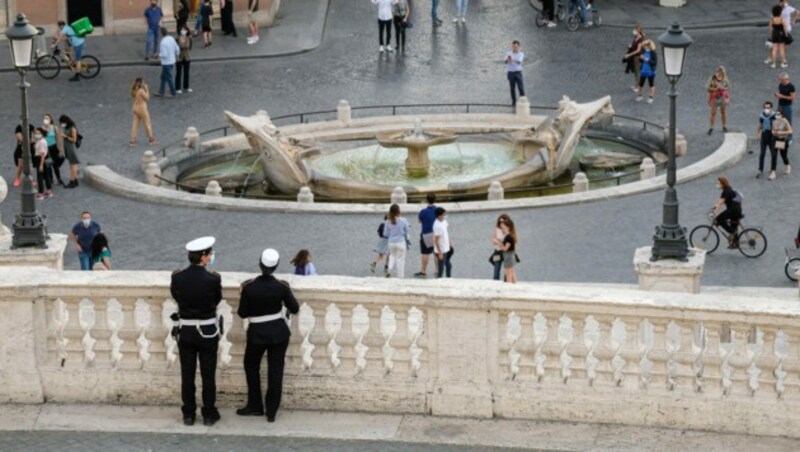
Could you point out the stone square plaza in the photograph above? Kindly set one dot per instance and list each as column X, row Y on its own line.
column 508, row 231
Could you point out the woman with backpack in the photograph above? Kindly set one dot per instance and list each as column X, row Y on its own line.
column 649, row 60
column 381, row 249
column 72, row 141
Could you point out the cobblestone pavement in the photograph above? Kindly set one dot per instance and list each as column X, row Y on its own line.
column 452, row 63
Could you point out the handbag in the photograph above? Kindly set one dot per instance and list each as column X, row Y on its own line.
column 788, row 39
column 780, row 144
column 495, row 257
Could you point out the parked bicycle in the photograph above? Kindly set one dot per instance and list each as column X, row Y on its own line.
column 749, row 241
column 48, row 66
column 574, row 16
column 560, row 12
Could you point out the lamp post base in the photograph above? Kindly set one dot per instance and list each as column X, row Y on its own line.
column 670, row 243
column 29, row 230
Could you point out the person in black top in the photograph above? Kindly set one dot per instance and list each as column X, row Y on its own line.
column 261, row 303
column 509, row 247
column 786, row 95
column 198, row 291
column 729, row 219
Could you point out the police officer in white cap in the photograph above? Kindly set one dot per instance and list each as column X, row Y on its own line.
column 262, row 303
column 198, row 291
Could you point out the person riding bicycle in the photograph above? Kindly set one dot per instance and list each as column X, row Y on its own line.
column 728, row 219
column 67, row 34
column 582, row 9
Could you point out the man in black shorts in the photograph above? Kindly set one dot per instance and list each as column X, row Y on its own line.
column 426, row 218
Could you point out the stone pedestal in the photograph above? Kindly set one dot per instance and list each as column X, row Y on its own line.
column 496, row 192
column 213, row 189
column 399, row 196
column 147, row 158
column 343, row 112
column 671, row 3
column 417, row 162
column 669, row 275
column 523, row 107
column 51, row 257
column 580, row 183
column 647, row 168
column 305, row 195
column 152, row 174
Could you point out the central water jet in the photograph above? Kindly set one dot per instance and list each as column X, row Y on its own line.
column 416, row 142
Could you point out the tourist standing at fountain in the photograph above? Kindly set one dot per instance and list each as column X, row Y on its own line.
column 719, row 97
column 786, row 94
column 777, row 36
column 789, row 16
column 101, row 255
column 426, row 218
column 648, row 60
column 53, row 148
column 226, row 17
column 435, row 13
column 182, row 16
column 169, row 55
column 764, row 131
column 302, row 264
column 261, row 303
column 781, row 130
column 384, row 24
column 197, row 291
column 509, row 247
column 184, row 61
column 631, row 58
column 152, row 18
column 41, row 160
column 397, row 231
column 461, row 11
column 381, row 249
column 442, row 244
column 513, row 62
column 252, row 9
column 206, row 11
column 497, row 243
column 82, row 237
column 140, row 93
column 401, row 11
column 69, row 135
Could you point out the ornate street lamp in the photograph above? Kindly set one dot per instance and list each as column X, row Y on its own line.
column 29, row 228
column 669, row 240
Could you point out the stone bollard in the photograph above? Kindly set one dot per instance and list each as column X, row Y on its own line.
column 399, row 196
column 213, row 189
column 3, row 193
column 191, row 139
column 523, row 107
column 343, row 112
column 647, row 169
column 680, row 145
column 580, row 183
column 152, row 173
column 305, row 195
column 147, row 158
column 496, row 192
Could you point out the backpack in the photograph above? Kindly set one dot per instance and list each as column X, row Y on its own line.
column 380, row 230
column 738, row 198
column 78, row 141
column 653, row 59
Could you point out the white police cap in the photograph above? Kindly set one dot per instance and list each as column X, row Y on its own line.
column 201, row 244
column 270, row 257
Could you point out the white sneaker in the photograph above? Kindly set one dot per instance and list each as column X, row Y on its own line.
column 772, row 65
column 588, row 24
column 180, row 91
column 188, row 90
column 551, row 24
column 389, row 49
column 635, row 89
column 638, row 98
column 463, row 20
column 380, row 49
column 784, row 64
column 249, row 40
column 455, row 19
column 767, row 61
column 649, row 100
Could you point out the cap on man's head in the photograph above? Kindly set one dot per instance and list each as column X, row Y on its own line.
column 201, row 244
column 270, row 257
column 439, row 211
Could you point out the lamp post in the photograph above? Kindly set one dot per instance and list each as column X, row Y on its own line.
column 669, row 240
column 29, row 228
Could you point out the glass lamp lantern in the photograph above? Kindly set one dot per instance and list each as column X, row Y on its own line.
column 20, row 36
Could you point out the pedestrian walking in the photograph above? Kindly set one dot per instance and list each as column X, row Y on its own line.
column 509, row 246
column 461, row 11
column 140, row 95
column 261, row 304
column 41, row 161
column 718, row 88
column 631, row 59
column 184, row 61
column 18, row 156
column 302, row 263
column 426, row 218
column 781, row 130
column 549, row 11
column 764, row 130
column 435, row 13
column 648, row 60
column 496, row 258
column 182, row 16
column 401, row 12
column 206, row 11
column 381, row 249
column 54, row 149
column 513, row 62
column 82, row 237
column 169, row 55
column 789, row 16
column 101, row 254
column 197, row 291
column 397, row 230
column 786, row 95
column 77, row 43
column 70, row 137
column 442, row 244
column 384, row 24
column 778, row 33
column 252, row 23
column 226, row 17
column 152, row 19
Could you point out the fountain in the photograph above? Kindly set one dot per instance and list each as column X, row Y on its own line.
column 417, row 143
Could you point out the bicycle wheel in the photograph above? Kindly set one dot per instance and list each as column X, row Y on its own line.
column 540, row 20
column 752, row 242
column 561, row 12
column 90, row 67
column 596, row 18
column 48, row 67
column 572, row 22
column 704, row 237
column 791, row 268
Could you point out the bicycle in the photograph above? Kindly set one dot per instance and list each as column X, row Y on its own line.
column 560, row 12
column 48, row 66
column 792, row 264
column 751, row 242
column 574, row 16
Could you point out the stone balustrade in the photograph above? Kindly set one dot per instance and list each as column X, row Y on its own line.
column 724, row 361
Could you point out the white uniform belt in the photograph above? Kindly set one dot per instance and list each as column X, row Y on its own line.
column 266, row 318
column 198, row 322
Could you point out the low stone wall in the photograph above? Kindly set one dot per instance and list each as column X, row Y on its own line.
column 724, row 361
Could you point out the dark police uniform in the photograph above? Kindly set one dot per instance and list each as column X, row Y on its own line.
column 262, row 296
column 198, row 292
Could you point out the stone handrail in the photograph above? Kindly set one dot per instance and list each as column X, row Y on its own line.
column 725, row 361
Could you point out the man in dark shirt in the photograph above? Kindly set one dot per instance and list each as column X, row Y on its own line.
column 426, row 218
column 198, row 291
column 786, row 95
column 261, row 304
column 152, row 18
column 82, row 237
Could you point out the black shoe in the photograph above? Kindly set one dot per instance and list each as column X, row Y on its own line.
column 63, row 185
column 247, row 411
column 71, row 184
column 725, row 129
column 75, row 78
column 188, row 420
column 211, row 420
column 270, row 418
column 710, row 131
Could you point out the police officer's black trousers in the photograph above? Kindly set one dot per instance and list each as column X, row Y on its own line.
column 191, row 347
column 276, row 354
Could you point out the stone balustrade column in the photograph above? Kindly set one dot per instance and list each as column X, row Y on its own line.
column 152, row 173
column 147, row 158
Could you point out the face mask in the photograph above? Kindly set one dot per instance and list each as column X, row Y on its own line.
column 87, row 223
column 63, row 126
column 778, row 117
column 718, row 185
column 37, row 137
column 46, row 121
column 766, row 111
column 213, row 260
column 183, row 32
column 634, row 33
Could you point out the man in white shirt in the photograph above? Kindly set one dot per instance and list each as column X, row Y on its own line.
column 168, row 53
column 789, row 15
column 513, row 62
column 441, row 244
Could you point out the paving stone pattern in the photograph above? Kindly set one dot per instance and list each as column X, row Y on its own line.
column 453, row 63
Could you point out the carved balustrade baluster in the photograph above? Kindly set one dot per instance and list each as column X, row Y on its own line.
column 540, row 330
column 673, row 340
column 142, row 320
column 359, row 326
column 60, row 320
column 727, row 344
column 513, row 333
column 114, row 321
column 333, row 324
column 168, row 308
column 699, row 349
column 591, row 339
column 388, row 328
column 618, row 340
column 225, row 311
column 565, row 337
column 86, row 319
column 754, row 347
column 415, row 323
column 305, row 324
column 781, row 349
column 646, row 342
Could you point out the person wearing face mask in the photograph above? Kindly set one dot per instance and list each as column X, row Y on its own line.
column 781, row 131
column 764, row 130
column 41, row 162
column 718, row 88
column 152, row 18
column 197, row 291
column 184, row 61
column 69, row 135
column 53, row 147
column 631, row 58
column 442, row 244
column 82, row 237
